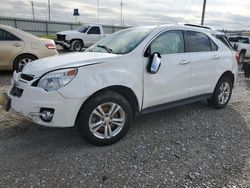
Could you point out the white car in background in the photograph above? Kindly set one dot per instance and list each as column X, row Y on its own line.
column 84, row 36
column 17, row 48
column 133, row 71
column 242, row 43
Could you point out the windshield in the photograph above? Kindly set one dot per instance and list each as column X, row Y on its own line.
column 83, row 28
column 121, row 42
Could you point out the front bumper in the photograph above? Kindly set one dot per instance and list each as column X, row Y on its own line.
column 63, row 43
column 33, row 99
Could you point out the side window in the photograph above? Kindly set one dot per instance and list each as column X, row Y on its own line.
column 214, row 47
column 243, row 40
column 6, row 36
column 94, row 30
column 197, row 42
column 169, row 42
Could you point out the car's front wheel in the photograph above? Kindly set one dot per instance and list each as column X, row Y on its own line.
column 222, row 93
column 105, row 118
column 77, row 45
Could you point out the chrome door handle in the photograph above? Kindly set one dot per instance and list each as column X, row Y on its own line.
column 184, row 62
column 16, row 45
column 216, row 57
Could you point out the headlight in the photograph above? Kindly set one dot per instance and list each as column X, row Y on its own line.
column 57, row 79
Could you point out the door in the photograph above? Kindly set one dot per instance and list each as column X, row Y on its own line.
column 205, row 58
column 10, row 46
column 171, row 82
column 93, row 35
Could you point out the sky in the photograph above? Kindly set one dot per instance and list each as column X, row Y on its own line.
column 220, row 14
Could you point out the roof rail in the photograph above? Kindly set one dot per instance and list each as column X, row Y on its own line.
column 200, row 26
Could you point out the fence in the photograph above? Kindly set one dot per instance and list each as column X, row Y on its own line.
column 49, row 28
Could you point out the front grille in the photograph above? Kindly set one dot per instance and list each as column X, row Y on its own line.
column 27, row 77
column 61, row 37
column 17, row 92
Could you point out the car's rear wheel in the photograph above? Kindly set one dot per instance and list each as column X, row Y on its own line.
column 21, row 61
column 105, row 118
column 222, row 93
column 77, row 45
column 242, row 56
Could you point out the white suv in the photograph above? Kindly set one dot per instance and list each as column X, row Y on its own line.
column 134, row 71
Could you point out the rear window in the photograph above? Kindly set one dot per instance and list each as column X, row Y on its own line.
column 94, row 30
column 199, row 42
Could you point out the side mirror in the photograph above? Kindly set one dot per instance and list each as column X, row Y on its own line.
column 235, row 46
column 154, row 63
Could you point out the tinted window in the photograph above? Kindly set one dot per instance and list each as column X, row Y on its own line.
column 233, row 39
column 197, row 42
column 214, row 47
column 169, row 42
column 94, row 30
column 243, row 40
column 6, row 36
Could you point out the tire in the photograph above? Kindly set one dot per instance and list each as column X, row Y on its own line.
column 94, row 119
column 77, row 45
column 242, row 55
column 21, row 61
column 222, row 93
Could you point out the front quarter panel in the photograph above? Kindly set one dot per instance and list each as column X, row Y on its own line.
column 92, row 78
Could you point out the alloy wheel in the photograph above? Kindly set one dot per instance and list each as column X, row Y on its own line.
column 107, row 120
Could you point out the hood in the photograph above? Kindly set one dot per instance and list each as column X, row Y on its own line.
column 68, row 32
column 76, row 59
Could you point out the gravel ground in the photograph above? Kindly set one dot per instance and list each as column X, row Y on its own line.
column 189, row 146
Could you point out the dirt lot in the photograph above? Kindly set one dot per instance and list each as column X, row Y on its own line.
column 189, row 146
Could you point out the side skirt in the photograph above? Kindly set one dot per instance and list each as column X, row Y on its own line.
column 174, row 104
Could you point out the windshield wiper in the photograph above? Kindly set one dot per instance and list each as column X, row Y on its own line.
column 106, row 48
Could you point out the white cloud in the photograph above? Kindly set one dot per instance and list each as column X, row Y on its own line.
column 227, row 14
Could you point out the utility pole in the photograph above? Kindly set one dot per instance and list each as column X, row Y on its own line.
column 32, row 5
column 98, row 11
column 49, row 8
column 121, row 12
column 203, row 11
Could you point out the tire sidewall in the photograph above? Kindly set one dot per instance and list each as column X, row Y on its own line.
column 87, row 109
column 242, row 55
column 217, row 92
column 74, row 43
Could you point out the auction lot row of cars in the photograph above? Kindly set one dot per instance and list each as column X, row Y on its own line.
column 131, row 72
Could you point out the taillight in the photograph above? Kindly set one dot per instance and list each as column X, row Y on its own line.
column 50, row 46
column 237, row 57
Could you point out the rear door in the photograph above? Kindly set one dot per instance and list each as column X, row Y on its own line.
column 205, row 59
column 93, row 35
column 10, row 46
